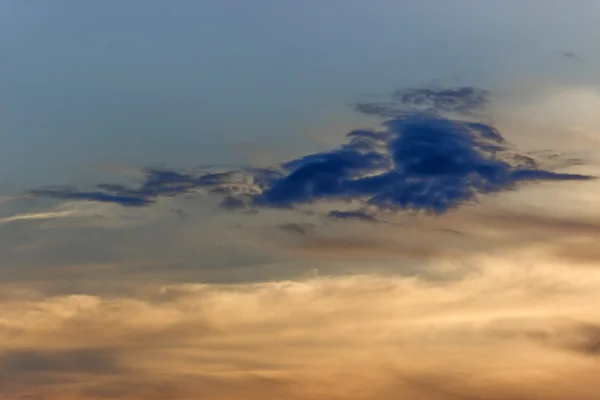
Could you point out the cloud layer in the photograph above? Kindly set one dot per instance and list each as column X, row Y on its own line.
column 508, row 333
column 427, row 156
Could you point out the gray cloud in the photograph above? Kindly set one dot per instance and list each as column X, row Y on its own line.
column 57, row 361
column 569, row 55
column 297, row 228
column 582, row 338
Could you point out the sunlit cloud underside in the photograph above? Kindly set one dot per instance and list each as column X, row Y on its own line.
column 511, row 332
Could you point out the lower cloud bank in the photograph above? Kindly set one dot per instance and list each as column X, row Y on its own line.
column 511, row 332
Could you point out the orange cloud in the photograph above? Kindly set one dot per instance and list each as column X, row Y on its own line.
column 513, row 331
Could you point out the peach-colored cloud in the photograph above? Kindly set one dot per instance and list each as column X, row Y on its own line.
column 515, row 331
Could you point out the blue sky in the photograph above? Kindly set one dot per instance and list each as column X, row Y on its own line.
column 119, row 83
column 303, row 200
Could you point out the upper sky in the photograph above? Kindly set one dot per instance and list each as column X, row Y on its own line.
column 88, row 84
column 299, row 199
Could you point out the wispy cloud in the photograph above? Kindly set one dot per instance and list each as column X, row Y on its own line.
column 66, row 210
column 569, row 55
column 41, row 215
column 297, row 228
column 460, row 237
column 462, row 100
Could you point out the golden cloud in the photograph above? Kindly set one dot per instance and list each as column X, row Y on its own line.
column 516, row 331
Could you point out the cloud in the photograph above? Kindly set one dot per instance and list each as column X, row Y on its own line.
column 347, row 337
column 69, row 255
column 421, row 244
column 361, row 247
column 64, row 211
column 585, row 339
column 296, row 228
column 41, row 215
column 421, row 160
column 79, row 361
column 131, row 200
column 353, row 215
column 575, row 336
column 462, row 100
column 569, row 55
column 180, row 212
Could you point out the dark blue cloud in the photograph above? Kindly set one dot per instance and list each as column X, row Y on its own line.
column 419, row 161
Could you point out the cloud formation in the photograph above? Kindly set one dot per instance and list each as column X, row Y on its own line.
column 422, row 159
column 570, row 55
column 463, row 100
column 505, row 334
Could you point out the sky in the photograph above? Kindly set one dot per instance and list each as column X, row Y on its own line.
column 303, row 200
